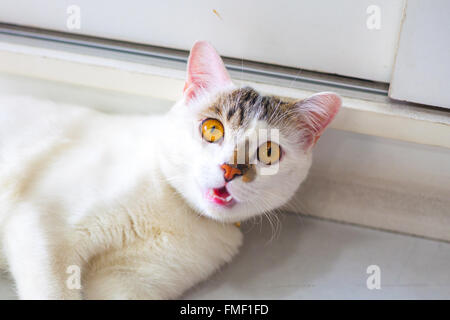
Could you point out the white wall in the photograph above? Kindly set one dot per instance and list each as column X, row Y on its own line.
column 328, row 36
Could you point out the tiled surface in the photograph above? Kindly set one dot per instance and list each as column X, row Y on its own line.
column 316, row 259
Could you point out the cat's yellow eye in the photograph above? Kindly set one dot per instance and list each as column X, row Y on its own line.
column 212, row 130
column 269, row 152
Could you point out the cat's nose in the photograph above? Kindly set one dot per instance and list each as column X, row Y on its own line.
column 229, row 172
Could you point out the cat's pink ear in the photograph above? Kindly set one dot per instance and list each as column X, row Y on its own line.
column 316, row 113
column 205, row 71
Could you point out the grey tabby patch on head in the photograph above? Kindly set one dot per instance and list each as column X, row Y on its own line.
column 242, row 105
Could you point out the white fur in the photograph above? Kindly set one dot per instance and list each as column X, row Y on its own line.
column 123, row 198
column 81, row 188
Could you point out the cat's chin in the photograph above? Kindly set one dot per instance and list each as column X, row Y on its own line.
column 221, row 213
column 220, row 205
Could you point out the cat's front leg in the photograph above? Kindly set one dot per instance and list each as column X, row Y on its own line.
column 38, row 255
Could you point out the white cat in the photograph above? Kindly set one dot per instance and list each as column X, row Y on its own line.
column 145, row 206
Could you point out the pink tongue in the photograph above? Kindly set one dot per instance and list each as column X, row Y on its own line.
column 221, row 192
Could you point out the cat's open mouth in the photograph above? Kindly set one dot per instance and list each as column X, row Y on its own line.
column 220, row 196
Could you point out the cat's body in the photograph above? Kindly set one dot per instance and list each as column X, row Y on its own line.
column 144, row 207
column 113, row 206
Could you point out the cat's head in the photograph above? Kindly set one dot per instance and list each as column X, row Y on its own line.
column 233, row 153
